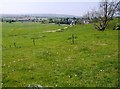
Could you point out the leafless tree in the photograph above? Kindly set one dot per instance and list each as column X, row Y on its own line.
column 106, row 11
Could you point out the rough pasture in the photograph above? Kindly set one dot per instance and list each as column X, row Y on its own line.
column 54, row 61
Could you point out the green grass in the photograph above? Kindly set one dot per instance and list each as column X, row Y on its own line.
column 54, row 61
column 0, row 53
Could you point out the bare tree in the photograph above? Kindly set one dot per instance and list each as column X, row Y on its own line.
column 106, row 12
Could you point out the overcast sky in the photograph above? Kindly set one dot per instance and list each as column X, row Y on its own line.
column 73, row 7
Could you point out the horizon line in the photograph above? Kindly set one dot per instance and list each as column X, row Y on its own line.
column 37, row 14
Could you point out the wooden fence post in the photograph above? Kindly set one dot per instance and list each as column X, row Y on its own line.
column 73, row 41
column 14, row 44
column 33, row 41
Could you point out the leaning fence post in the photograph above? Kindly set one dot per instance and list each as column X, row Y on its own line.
column 14, row 44
column 33, row 41
column 73, row 39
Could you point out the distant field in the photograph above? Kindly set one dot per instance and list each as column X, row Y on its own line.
column 54, row 61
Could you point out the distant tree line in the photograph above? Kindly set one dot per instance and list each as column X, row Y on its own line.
column 9, row 20
column 46, row 20
column 65, row 20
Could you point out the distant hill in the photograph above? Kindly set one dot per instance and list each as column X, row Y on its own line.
column 39, row 15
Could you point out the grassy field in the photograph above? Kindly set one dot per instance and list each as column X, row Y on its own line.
column 54, row 61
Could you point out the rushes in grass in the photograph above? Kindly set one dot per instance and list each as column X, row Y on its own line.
column 3, row 64
column 56, row 85
column 13, row 70
column 8, row 66
column 57, row 53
